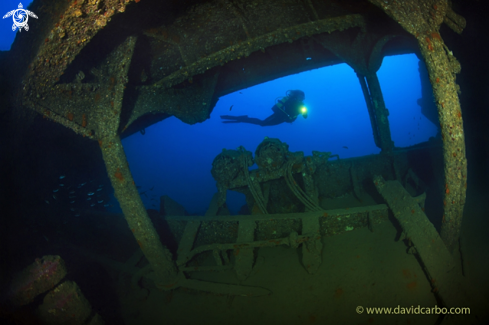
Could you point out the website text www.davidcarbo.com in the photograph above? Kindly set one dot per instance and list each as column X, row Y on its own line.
column 412, row 310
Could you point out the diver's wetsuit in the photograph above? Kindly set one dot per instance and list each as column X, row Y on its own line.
column 286, row 110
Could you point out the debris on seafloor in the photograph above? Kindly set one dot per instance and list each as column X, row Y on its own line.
column 63, row 303
column 37, row 278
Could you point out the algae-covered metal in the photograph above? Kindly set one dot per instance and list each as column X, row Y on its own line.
column 422, row 19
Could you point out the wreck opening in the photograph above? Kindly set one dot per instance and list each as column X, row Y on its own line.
column 175, row 158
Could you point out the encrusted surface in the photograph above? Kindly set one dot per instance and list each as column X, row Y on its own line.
column 422, row 19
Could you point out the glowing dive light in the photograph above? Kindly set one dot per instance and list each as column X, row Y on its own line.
column 303, row 110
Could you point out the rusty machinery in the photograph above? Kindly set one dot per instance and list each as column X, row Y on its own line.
column 230, row 170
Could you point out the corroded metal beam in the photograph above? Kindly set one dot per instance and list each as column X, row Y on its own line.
column 100, row 120
column 437, row 262
column 77, row 25
column 364, row 54
column 380, row 112
column 107, row 121
column 422, row 19
column 245, row 48
column 180, row 47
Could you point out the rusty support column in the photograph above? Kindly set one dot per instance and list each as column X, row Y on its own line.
column 363, row 54
column 135, row 213
column 371, row 114
column 442, row 78
column 381, row 113
column 442, row 67
column 106, row 117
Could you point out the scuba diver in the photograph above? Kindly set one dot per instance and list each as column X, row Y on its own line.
column 286, row 110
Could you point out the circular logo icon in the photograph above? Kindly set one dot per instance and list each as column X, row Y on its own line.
column 20, row 17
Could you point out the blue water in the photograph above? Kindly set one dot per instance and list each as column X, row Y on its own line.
column 6, row 34
column 176, row 158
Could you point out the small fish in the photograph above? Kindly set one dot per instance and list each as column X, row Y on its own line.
column 138, row 187
column 241, row 93
column 106, row 205
column 61, row 184
column 100, row 185
column 72, row 192
column 47, row 202
column 71, row 202
column 101, row 201
column 54, row 197
column 90, row 193
column 151, row 188
column 345, row 147
column 82, row 184
column 62, row 176
column 230, row 108
column 89, row 199
column 45, row 238
column 99, row 189
column 72, row 209
column 56, row 190
column 92, row 205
